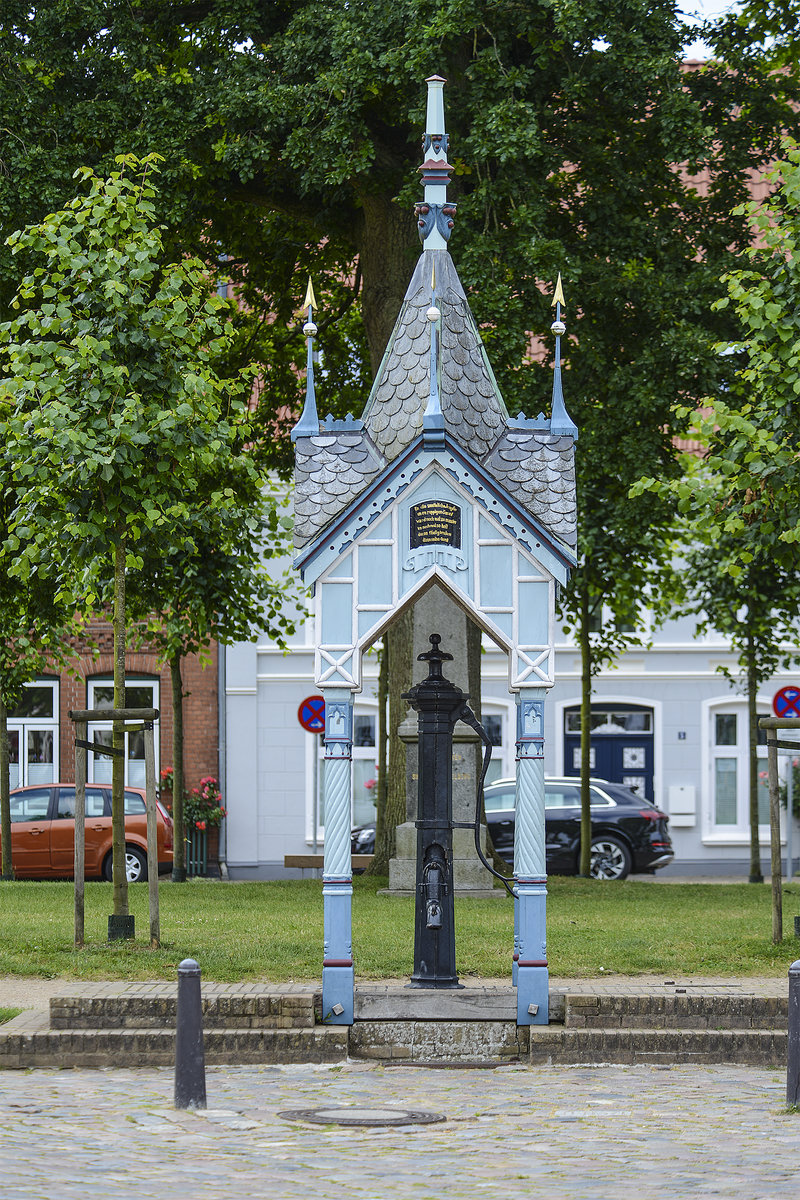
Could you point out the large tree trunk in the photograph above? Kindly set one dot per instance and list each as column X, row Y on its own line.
column 380, row 861
column 474, row 688
column 179, row 831
column 389, row 247
column 400, row 640
column 5, row 802
column 586, row 734
column 118, row 737
column 752, row 738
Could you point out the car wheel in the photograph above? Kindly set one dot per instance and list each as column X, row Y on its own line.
column 610, row 858
column 135, row 866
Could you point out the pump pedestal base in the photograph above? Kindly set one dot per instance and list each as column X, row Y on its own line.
column 431, row 983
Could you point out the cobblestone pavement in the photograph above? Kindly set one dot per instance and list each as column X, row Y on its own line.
column 587, row 1132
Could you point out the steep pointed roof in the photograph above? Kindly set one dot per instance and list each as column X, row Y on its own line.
column 472, row 407
column 435, row 384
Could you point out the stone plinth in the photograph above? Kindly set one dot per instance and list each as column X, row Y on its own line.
column 435, row 612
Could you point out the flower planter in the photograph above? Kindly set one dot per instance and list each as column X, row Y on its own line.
column 202, row 852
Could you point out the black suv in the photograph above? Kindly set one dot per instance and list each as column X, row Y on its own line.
column 628, row 833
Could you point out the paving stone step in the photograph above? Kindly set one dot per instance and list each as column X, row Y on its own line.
column 28, row 1041
column 30, row 1046
column 156, row 1009
column 739, row 1047
column 691, row 1011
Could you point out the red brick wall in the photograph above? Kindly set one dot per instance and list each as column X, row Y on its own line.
column 200, row 709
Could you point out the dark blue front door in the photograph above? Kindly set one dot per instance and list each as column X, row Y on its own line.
column 621, row 745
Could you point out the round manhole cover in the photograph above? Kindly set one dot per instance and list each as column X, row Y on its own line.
column 352, row 1115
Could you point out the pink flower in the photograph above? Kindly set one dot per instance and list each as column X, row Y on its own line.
column 370, row 783
column 200, row 824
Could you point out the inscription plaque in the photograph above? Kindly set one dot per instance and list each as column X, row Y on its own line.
column 435, row 522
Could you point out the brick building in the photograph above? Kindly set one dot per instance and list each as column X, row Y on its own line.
column 40, row 731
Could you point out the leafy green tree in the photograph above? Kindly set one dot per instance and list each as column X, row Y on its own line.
column 116, row 411
column 35, row 633
column 580, row 144
column 739, row 500
column 211, row 582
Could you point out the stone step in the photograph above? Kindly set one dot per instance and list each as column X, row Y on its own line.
column 393, row 1002
column 495, row 1042
column 28, row 1042
column 423, row 1041
column 750, row 1047
column 691, row 1011
column 156, row 1008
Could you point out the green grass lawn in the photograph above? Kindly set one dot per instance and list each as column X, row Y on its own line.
column 273, row 931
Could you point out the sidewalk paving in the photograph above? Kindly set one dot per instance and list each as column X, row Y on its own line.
column 20, row 991
column 596, row 1133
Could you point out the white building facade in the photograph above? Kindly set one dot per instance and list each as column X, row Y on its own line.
column 665, row 720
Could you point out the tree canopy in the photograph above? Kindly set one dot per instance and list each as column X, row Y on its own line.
column 290, row 139
column 289, row 131
column 119, row 426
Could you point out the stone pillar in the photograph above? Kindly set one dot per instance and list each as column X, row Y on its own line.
column 435, row 612
column 337, row 888
column 532, row 979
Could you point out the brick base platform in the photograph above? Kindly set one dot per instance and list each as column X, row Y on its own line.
column 133, row 1024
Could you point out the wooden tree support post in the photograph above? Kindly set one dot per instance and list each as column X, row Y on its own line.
column 772, row 724
column 81, row 718
column 152, row 834
column 80, row 829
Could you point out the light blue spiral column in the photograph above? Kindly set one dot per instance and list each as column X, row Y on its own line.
column 530, row 936
column 337, row 887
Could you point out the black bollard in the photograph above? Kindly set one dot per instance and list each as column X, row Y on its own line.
column 793, row 1057
column 190, row 1064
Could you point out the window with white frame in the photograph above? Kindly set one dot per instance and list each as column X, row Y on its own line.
column 139, row 693
column 364, row 774
column 33, row 735
column 730, row 771
column 499, row 722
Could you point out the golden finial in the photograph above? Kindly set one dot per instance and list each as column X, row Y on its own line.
column 558, row 294
column 433, row 278
column 311, row 300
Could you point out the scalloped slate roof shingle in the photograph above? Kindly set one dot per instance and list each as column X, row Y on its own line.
column 331, row 469
column 538, row 470
column 533, row 466
column 473, row 409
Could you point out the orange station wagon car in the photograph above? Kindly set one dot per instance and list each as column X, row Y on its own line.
column 43, row 832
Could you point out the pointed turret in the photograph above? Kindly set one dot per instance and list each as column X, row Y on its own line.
column 308, row 425
column 560, row 422
column 435, row 389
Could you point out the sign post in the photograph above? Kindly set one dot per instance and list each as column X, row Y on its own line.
column 311, row 715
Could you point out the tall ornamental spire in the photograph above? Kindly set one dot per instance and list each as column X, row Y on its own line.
column 433, row 419
column 560, row 422
column 308, row 425
column 435, row 214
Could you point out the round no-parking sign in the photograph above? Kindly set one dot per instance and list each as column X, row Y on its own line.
column 786, row 702
column 311, row 714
